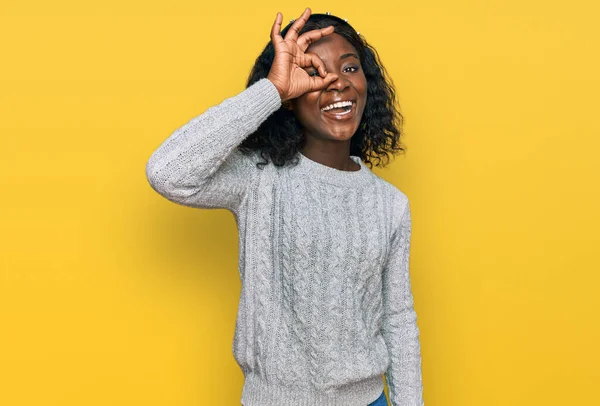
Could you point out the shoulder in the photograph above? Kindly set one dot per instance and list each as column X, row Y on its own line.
column 250, row 166
column 237, row 166
column 397, row 205
column 396, row 196
column 246, row 159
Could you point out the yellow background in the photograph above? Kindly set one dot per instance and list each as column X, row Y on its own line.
column 111, row 295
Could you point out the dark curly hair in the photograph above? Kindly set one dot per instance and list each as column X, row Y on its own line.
column 279, row 137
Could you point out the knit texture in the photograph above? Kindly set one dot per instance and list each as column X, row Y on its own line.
column 326, row 306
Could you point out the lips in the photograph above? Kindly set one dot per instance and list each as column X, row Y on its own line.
column 337, row 105
column 334, row 102
column 340, row 116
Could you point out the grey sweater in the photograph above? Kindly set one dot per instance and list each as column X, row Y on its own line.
column 326, row 306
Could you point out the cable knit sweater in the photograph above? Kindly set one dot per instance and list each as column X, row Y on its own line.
column 326, row 306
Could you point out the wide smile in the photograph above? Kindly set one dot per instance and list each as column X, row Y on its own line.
column 347, row 113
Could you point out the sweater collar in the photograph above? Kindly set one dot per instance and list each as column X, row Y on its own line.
column 331, row 175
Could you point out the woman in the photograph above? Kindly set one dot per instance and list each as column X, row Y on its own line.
column 326, row 306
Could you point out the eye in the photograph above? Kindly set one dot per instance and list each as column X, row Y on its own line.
column 351, row 69
column 313, row 73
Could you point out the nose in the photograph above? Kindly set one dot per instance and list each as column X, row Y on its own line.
column 339, row 84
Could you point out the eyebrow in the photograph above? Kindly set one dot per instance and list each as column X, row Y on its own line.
column 348, row 55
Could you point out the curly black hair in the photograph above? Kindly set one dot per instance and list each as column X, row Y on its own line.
column 279, row 137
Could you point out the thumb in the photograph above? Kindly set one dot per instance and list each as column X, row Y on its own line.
column 318, row 82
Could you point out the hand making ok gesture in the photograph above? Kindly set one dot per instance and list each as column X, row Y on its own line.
column 287, row 72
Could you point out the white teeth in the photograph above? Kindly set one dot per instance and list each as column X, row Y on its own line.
column 337, row 105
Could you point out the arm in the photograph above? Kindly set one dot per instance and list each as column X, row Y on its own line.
column 199, row 165
column 400, row 330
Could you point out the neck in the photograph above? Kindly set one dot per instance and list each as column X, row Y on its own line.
column 333, row 154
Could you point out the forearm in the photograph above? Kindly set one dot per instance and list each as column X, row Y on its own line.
column 190, row 158
column 404, row 377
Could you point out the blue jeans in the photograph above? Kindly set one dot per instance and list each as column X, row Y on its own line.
column 381, row 401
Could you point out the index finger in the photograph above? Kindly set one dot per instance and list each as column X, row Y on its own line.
column 298, row 24
column 318, row 83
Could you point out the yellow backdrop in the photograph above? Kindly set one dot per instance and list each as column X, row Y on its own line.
column 111, row 295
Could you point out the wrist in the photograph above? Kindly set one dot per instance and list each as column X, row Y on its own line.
column 278, row 89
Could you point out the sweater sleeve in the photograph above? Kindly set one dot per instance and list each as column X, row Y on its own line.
column 199, row 165
column 400, row 330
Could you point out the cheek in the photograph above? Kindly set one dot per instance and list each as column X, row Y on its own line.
column 362, row 86
column 306, row 108
column 363, row 94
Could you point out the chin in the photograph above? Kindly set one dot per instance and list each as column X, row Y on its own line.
column 342, row 134
column 341, row 137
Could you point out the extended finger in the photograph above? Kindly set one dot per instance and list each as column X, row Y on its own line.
column 298, row 24
column 276, row 29
column 312, row 36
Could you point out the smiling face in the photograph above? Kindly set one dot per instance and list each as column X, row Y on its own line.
column 333, row 113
